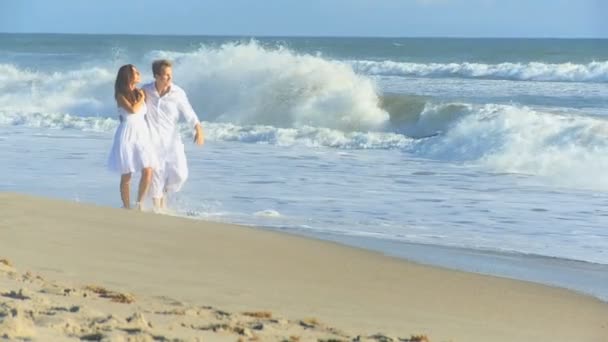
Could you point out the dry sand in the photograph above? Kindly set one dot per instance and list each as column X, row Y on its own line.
column 74, row 271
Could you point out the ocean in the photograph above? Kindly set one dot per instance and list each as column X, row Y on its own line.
column 486, row 155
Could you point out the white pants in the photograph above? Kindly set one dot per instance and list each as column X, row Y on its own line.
column 172, row 173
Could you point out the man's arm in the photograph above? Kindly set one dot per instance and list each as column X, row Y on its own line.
column 191, row 117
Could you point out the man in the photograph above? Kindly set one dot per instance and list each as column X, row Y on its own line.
column 167, row 103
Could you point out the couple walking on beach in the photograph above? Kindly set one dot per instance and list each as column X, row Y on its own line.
column 148, row 138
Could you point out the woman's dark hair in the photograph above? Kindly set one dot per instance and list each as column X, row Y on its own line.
column 125, row 76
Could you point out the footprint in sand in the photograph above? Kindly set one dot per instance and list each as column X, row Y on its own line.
column 15, row 323
column 117, row 297
column 22, row 294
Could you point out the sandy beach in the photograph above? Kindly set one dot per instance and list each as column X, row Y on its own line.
column 78, row 271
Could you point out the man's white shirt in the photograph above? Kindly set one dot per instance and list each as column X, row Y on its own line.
column 164, row 113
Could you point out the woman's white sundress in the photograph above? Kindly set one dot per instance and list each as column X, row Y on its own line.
column 132, row 149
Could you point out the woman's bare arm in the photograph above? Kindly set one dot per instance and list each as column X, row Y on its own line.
column 131, row 107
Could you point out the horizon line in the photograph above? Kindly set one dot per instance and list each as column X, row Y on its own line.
column 303, row 36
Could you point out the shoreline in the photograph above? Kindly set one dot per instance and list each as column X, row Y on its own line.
column 575, row 275
column 239, row 269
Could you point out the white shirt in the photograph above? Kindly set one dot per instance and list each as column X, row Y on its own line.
column 164, row 113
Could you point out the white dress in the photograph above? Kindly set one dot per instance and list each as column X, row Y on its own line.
column 132, row 149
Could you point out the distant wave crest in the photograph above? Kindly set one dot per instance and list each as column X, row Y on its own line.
column 534, row 71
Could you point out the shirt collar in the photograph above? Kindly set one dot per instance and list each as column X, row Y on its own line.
column 152, row 86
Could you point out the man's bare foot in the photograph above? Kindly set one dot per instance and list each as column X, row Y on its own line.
column 139, row 206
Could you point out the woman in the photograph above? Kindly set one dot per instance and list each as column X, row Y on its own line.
column 132, row 150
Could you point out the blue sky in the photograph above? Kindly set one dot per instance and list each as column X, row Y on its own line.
column 406, row 18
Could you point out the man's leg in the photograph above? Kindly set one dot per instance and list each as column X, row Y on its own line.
column 157, row 188
column 160, row 203
column 176, row 170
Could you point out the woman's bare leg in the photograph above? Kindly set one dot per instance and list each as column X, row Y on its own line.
column 125, row 190
column 144, row 185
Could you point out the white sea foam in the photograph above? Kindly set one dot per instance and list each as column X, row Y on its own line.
column 249, row 84
column 572, row 150
column 238, row 83
column 267, row 213
column 533, row 71
column 79, row 92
